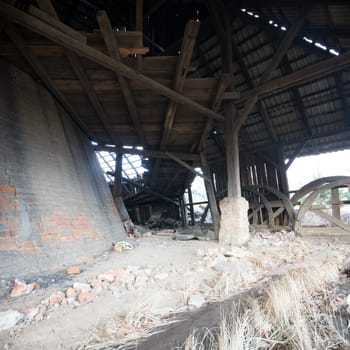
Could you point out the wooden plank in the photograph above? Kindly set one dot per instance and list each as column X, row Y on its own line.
column 31, row 23
column 44, row 77
column 331, row 219
column 185, row 165
column 335, row 203
column 190, row 199
column 53, row 20
column 113, row 50
column 211, row 195
column 184, row 61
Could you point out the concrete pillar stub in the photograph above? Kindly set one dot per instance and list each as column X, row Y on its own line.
column 234, row 225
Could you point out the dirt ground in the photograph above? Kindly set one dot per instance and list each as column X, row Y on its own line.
column 160, row 276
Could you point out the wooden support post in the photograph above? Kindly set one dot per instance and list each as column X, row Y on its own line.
column 117, row 188
column 183, row 211
column 284, row 187
column 211, row 195
column 205, row 213
column 232, row 153
column 190, row 199
column 138, row 215
column 335, row 203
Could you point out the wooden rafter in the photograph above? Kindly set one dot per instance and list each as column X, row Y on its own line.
column 187, row 166
column 149, row 153
column 263, row 113
column 276, row 60
column 40, row 71
column 183, row 65
column 33, row 24
column 73, row 59
column 113, row 50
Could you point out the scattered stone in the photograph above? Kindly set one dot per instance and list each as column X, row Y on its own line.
column 161, row 276
column 232, row 267
column 86, row 297
column 97, row 289
column 81, row 287
column 56, row 298
column 9, row 319
column 107, row 277
column 31, row 312
column 71, row 292
column 73, row 270
column 21, row 288
column 146, row 234
column 196, row 300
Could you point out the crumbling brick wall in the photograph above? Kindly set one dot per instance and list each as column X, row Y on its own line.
column 55, row 207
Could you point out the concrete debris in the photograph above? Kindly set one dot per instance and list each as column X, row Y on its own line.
column 196, row 300
column 233, row 267
column 81, row 287
column 9, row 319
column 21, row 288
column 161, row 276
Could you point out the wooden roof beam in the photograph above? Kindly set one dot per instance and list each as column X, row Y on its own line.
column 149, row 153
column 50, row 16
column 40, row 71
column 261, row 108
column 31, row 23
column 187, row 166
column 182, row 67
column 113, row 51
column 276, row 60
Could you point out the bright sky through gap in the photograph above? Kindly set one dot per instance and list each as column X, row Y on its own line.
column 306, row 169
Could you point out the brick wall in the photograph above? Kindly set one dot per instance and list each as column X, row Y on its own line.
column 55, row 206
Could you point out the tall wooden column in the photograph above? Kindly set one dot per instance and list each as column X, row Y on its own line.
column 211, row 195
column 284, row 186
column 117, row 188
column 190, row 199
column 232, row 152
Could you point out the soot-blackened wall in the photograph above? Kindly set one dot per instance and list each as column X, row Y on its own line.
column 55, row 207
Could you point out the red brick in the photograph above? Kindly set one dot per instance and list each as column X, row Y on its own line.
column 7, row 189
column 73, row 270
column 85, row 297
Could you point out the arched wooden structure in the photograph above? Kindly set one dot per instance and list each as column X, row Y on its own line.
column 329, row 210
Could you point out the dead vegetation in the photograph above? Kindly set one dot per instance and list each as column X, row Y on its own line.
column 294, row 314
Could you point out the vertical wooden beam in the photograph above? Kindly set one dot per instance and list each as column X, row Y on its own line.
column 117, row 188
column 183, row 211
column 335, row 203
column 205, row 213
column 139, row 16
column 211, row 195
column 190, row 199
column 284, row 187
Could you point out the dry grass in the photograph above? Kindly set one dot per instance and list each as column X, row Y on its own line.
column 124, row 331
column 294, row 315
